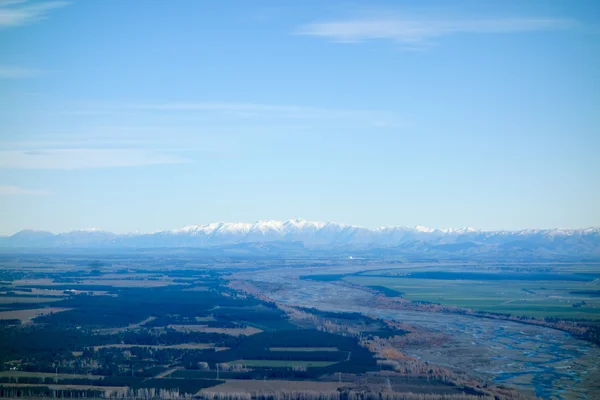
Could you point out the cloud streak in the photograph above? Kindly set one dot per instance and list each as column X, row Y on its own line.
column 70, row 159
column 19, row 191
column 14, row 13
column 417, row 31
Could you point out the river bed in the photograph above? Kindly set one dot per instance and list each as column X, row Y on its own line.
column 551, row 363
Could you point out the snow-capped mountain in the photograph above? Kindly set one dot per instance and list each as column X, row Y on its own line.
column 331, row 235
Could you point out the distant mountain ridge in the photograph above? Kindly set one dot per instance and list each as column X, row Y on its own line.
column 331, row 235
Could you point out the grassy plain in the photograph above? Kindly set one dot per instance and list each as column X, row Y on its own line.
column 70, row 387
column 27, row 299
column 308, row 349
column 282, row 363
column 531, row 298
column 266, row 386
column 247, row 331
column 48, row 283
column 27, row 315
column 27, row 374
column 197, row 346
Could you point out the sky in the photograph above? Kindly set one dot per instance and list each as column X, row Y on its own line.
column 143, row 116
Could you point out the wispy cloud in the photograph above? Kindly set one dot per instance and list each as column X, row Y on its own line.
column 69, row 159
column 419, row 30
column 12, row 72
column 17, row 191
column 15, row 13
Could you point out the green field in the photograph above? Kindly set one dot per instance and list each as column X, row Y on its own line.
column 282, row 363
column 530, row 298
column 28, row 374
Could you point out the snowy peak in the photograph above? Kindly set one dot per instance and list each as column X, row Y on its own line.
column 415, row 240
column 301, row 224
column 212, row 228
column 420, row 228
column 423, row 229
column 262, row 227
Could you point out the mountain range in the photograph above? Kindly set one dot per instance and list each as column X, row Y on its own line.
column 331, row 236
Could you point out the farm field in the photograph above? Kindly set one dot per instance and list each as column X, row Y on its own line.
column 80, row 284
column 28, row 374
column 249, row 330
column 308, row 349
column 25, row 316
column 202, row 346
column 529, row 298
column 27, row 299
column 282, row 363
column 269, row 386
column 71, row 387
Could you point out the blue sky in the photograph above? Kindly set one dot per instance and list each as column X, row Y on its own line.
column 141, row 116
